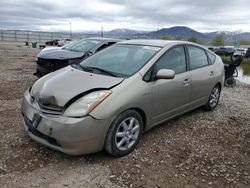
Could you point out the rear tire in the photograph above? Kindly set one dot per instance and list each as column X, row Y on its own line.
column 124, row 133
column 230, row 82
column 213, row 98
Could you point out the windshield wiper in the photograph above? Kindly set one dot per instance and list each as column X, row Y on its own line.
column 92, row 69
column 84, row 68
column 102, row 71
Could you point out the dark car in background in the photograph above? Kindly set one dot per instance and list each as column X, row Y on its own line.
column 52, row 60
column 224, row 51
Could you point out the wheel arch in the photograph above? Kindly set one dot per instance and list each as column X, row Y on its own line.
column 143, row 115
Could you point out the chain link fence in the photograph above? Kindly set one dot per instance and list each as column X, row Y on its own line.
column 38, row 36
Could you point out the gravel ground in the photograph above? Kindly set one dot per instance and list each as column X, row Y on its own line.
column 198, row 149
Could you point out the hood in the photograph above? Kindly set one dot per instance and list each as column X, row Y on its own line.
column 60, row 54
column 59, row 87
column 49, row 48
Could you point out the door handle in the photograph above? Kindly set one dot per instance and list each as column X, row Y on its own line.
column 186, row 82
column 211, row 73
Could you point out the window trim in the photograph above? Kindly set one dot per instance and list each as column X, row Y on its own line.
column 210, row 62
column 189, row 62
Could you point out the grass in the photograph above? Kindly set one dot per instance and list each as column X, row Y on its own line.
column 246, row 66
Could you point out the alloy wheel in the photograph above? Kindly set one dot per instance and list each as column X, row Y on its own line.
column 127, row 133
column 214, row 98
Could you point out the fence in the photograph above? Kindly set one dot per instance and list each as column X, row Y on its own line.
column 38, row 36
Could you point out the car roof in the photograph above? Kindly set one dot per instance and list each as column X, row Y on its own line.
column 159, row 43
column 104, row 39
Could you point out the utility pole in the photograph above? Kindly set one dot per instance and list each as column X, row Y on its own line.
column 102, row 32
column 70, row 34
column 2, row 34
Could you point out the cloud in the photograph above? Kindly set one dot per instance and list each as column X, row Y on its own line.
column 145, row 15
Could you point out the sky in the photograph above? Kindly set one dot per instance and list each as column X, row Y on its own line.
column 145, row 15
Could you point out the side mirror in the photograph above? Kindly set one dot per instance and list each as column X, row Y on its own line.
column 165, row 74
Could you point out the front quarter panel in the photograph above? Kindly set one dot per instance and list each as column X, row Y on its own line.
column 131, row 93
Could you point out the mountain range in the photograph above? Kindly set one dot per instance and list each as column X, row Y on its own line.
column 181, row 32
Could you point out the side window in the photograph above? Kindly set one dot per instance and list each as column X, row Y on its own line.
column 173, row 59
column 197, row 57
column 211, row 57
column 101, row 47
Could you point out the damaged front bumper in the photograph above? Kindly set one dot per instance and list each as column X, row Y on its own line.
column 73, row 136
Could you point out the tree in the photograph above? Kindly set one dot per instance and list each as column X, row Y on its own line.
column 244, row 42
column 219, row 40
column 193, row 39
column 164, row 37
column 177, row 38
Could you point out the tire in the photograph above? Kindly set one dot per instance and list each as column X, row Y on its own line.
column 214, row 98
column 124, row 133
column 230, row 82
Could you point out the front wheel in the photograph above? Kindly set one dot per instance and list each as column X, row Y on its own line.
column 124, row 133
column 213, row 98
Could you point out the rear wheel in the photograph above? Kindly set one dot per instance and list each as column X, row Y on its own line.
column 124, row 133
column 213, row 98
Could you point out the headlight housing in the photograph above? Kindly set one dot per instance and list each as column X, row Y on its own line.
column 72, row 61
column 86, row 104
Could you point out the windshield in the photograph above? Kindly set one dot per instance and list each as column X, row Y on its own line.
column 121, row 60
column 83, row 45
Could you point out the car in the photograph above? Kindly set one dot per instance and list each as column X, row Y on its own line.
column 212, row 48
column 109, row 99
column 64, row 41
column 58, row 57
column 52, row 42
column 225, row 51
column 239, row 52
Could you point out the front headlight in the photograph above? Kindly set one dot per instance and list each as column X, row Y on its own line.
column 86, row 104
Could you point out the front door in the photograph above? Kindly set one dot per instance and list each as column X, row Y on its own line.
column 170, row 97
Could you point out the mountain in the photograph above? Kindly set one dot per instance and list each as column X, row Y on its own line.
column 181, row 32
column 123, row 32
column 174, row 32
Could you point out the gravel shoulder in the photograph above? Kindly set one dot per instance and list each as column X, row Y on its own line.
column 198, row 149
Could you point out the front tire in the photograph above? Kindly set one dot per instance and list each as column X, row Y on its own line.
column 124, row 133
column 213, row 98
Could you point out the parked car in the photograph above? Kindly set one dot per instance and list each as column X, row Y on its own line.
column 63, row 42
column 247, row 55
column 213, row 48
column 54, row 59
column 225, row 51
column 53, row 43
column 109, row 99
column 240, row 52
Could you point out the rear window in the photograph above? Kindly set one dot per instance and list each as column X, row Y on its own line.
column 211, row 57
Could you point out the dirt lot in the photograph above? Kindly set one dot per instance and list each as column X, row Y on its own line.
column 199, row 149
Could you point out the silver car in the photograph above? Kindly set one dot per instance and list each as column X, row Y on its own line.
column 108, row 100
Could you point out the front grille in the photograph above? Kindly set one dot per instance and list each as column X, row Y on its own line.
column 52, row 64
column 51, row 110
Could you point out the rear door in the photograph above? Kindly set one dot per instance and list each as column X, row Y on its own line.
column 171, row 96
column 202, row 75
